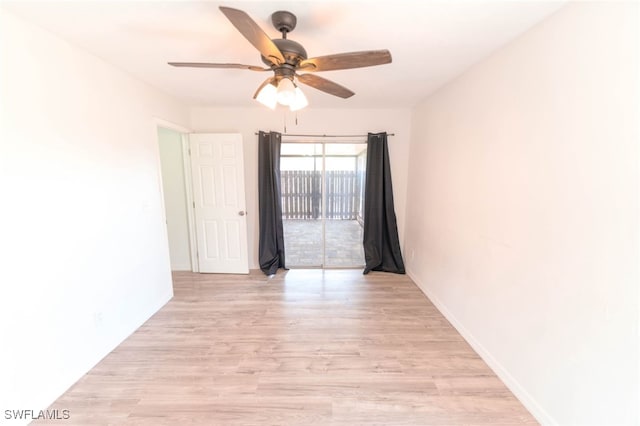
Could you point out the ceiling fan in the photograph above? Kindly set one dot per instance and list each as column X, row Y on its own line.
column 286, row 58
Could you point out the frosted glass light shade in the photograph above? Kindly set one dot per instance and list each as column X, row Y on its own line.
column 300, row 100
column 286, row 92
column 268, row 96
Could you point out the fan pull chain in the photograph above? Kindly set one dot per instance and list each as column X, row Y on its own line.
column 284, row 120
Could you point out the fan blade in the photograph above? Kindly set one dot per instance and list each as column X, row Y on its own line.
column 325, row 85
column 343, row 61
column 210, row 65
column 252, row 32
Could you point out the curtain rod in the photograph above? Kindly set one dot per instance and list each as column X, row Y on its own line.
column 327, row 136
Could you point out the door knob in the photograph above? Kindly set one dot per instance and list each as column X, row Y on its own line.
column 241, row 213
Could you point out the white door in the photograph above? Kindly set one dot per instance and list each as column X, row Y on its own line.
column 219, row 202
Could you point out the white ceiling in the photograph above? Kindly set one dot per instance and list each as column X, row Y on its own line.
column 431, row 42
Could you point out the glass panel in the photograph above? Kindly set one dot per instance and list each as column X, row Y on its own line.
column 301, row 189
column 300, row 149
column 347, row 149
column 344, row 190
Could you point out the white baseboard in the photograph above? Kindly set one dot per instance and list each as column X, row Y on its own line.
column 514, row 386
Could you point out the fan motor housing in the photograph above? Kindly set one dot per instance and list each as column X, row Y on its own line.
column 292, row 51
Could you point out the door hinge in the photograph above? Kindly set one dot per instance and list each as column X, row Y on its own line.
column 194, row 204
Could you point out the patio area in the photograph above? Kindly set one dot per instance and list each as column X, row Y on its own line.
column 303, row 243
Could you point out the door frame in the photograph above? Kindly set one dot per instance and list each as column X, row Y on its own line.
column 186, row 163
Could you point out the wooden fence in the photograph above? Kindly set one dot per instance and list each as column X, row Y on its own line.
column 302, row 194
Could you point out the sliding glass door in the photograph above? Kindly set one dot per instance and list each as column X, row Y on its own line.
column 322, row 197
column 301, row 168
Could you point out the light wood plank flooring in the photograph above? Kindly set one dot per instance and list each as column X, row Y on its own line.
column 306, row 347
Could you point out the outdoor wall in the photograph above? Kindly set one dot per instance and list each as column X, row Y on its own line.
column 522, row 217
column 248, row 121
column 175, row 198
column 83, row 245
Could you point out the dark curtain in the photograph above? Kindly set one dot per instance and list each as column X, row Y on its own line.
column 381, row 243
column 271, row 245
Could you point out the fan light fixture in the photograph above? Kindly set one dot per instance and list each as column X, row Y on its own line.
column 268, row 96
column 286, row 93
column 300, row 101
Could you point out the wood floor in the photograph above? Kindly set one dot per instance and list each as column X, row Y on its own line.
column 306, row 347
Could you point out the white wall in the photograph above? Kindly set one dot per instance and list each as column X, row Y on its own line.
column 175, row 198
column 247, row 121
column 522, row 217
column 83, row 247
